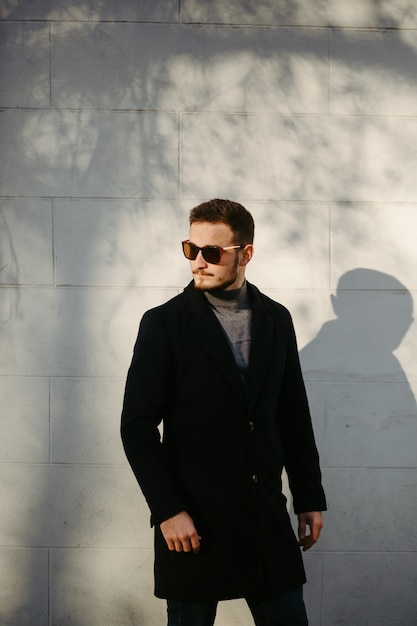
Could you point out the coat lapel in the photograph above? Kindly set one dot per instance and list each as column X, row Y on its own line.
column 209, row 333
column 261, row 345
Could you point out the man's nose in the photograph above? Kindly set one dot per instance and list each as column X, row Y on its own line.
column 199, row 261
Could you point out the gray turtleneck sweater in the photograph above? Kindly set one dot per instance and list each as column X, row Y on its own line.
column 232, row 309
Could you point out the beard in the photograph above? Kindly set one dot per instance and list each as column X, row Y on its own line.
column 225, row 282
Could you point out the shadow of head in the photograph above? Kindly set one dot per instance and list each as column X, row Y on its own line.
column 376, row 306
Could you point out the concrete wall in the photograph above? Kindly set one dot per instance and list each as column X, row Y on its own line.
column 117, row 118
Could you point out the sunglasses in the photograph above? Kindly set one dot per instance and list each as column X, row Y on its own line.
column 211, row 254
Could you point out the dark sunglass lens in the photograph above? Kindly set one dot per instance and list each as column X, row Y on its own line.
column 211, row 254
column 190, row 251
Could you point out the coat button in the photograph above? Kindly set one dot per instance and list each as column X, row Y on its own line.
column 254, row 479
column 251, row 425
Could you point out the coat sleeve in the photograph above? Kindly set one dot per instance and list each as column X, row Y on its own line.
column 301, row 458
column 148, row 398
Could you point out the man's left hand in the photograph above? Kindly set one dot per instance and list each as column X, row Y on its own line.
column 314, row 520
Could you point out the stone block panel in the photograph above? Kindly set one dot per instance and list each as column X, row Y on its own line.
column 90, row 10
column 297, row 13
column 89, row 154
column 26, row 256
column 24, row 588
column 124, row 243
column 377, row 236
column 25, row 420
column 85, row 420
column 364, row 13
column 374, row 72
column 368, row 588
column 299, row 158
column 367, row 14
column 356, row 499
column 190, row 68
column 24, row 65
column 104, row 587
column 371, row 425
column 73, row 332
column 72, row 506
column 291, row 245
column 231, row 612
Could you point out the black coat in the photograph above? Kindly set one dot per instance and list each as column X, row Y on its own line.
column 223, row 447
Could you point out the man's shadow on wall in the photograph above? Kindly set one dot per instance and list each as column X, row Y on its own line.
column 374, row 312
column 366, row 412
column 365, row 416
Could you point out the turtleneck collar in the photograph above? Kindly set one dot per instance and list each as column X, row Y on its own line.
column 230, row 298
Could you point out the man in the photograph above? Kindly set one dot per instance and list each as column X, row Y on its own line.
column 218, row 365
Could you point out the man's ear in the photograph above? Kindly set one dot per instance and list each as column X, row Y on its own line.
column 247, row 254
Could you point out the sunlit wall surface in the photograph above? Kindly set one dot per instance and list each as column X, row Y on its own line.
column 116, row 118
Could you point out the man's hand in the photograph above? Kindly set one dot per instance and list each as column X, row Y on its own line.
column 314, row 520
column 180, row 533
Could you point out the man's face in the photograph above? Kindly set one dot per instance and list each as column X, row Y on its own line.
column 230, row 272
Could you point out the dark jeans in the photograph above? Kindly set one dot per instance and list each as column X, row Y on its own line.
column 288, row 610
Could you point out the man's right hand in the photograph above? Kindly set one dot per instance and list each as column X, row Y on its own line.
column 180, row 533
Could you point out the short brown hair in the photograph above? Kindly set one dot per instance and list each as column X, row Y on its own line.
column 231, row 213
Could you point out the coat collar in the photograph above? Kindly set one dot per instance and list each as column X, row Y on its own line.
column 261, row 344
column 207, row 330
